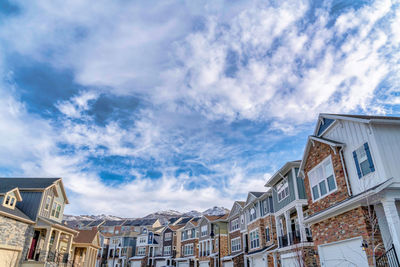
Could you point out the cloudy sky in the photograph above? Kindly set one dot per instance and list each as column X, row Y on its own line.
column 150, row 105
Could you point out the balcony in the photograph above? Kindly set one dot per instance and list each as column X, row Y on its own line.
column 294, row 238
column 49, row 258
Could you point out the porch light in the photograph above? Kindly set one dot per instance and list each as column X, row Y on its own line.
column 364, row 245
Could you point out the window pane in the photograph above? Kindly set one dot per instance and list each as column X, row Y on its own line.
column 331, row 183
column 322, row 188
column 315, row 192
column 328, row 168
column 365, row 167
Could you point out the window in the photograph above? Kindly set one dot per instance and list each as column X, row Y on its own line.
column 235, row 224
column 265, row 206
column 167, row 250
column 363, row 160
column 235, row 244
column 242, row 219
column 168, row 236
column 55, row 212
column 9, row 201
column 141, row 251
column 254, row 239
column 188, row 249
column 282, row 189
column 253, row 214
column 204, row 230
column 322, row 179
column 267, row 235
column 142, row 240
column 48, row 203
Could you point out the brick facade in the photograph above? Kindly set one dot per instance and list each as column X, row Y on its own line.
column 261, row 224
column 319, row 152
column 16, row 234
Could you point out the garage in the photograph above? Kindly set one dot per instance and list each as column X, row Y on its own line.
column 183, row 264
column 8, row 257
column 204, row 264
column 343, row 253
column 136, row 263
column 228, row 264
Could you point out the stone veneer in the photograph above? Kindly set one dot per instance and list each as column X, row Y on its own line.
column 14, row 233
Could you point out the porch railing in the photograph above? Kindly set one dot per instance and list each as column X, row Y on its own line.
column 389, row 259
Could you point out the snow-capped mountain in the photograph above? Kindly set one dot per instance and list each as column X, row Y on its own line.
column 162, row 215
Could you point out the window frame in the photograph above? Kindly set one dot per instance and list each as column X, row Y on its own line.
column 285, row 185
column 369, row 159
column 253, row 234
column 238, row 246
column 9, row 201
column 168, row 236
column 325, row 180
column 234, row 225
column 55, row 210
column 48, row 199
column 141, row 249
column 204, row 230
column 267, row 234
column 167, row 250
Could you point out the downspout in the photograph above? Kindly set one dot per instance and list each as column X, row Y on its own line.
column 345, row 172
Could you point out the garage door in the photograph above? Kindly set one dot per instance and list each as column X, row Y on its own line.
column 8, row 257
column 204, row 264
column 258, row 262
column 160, row 263
column 183, row 264
column 228, row 264
column 136, row 264
column 346, row 253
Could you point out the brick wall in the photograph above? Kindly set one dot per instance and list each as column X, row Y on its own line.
column 351, row 224
column 261, row 224
column 16, row 234
column 234, row 235
column 318, row 152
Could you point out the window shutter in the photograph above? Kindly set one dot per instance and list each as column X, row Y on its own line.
column 371, row 163
column 357, row 165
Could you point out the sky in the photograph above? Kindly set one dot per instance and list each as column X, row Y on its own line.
column 143, row 106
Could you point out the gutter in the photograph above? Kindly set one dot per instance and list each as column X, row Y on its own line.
column 6, row 214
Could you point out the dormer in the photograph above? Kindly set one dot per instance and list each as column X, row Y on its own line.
column 9, row 199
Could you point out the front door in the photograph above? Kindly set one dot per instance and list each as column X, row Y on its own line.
column 32, row 249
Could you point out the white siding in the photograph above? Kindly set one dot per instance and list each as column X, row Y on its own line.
column 388, row 140
column 354, row 135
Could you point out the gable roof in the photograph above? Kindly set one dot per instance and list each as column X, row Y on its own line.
column 85, row 236
column 282, row 172
column 310, row 141
column 237, row 206
column 113, row 223
column 251, row 196
column 24, row 183
column 15, row 214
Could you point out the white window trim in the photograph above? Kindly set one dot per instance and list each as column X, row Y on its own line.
column 204, row 233
column 168, row 238
column 259, row 241
column 11, row 206
column 48, row 209
column 334, row 179
column 372, row 158
column 240, row 244
column 284, row 180
column 238, row 225
column 55, row 211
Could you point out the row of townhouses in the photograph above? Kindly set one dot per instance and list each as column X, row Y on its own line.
column 339, row 205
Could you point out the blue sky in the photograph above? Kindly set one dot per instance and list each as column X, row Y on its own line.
column 150, row 105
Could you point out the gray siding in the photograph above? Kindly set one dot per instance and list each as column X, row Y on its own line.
column 30, row 204
column 279, row 205
column 300, row 186
column 43, row 212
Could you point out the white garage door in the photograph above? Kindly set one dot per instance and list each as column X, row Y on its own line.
column 136, row 263
column 258, row 262
column 183, row 264
column 204, row 264
column 160, row 263
column 346, row 253
column 228, row 264
column 8, row 257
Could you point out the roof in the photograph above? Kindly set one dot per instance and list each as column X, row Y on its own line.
column 281, row 172
column 241, row 203
column 14, row 212
column 7, row 184
column 176, row 227
column 95, row 223
column 364, row 117
column 212, row 218
column 112, row 223
column 139, row 222
column 185, row 220
column 257, row 194
column 85, row 236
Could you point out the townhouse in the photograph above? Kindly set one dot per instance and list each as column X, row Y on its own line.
column 352, row 180
column 170, row 240
column 47, row 242
column 188, row 245
column 259, row 233
column 213, row 240
column 85, row 248
column 236, row 222
column 295, row 246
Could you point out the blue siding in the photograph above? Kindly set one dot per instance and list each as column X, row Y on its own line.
column 289, row 199
column 30, row 204
column 324, row 125
column 300, row 186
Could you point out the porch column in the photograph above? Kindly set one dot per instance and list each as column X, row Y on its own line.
column 54, row 247
column 278, row 230
column 245, row 261
column 287, row 221
column 275, row 259
column 43, row 254
column 393, row 220
column 299, row 210
column 69, row 245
